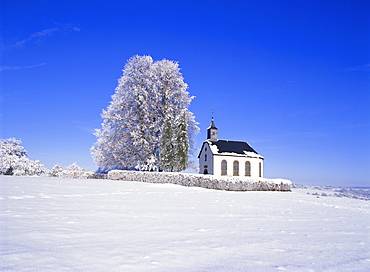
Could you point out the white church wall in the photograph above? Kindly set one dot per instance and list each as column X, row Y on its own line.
column 255, row 173
column 206, row 160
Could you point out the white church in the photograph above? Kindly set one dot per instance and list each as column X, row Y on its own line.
column 228, row 158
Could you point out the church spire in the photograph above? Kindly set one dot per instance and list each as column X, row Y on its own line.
column 212, row 131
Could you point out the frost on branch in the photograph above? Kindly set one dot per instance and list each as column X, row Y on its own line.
column 147, row 125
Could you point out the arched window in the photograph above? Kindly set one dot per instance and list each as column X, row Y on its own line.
column 236, row 168
column 260, row 170
column 224, row 168
column 248, row 168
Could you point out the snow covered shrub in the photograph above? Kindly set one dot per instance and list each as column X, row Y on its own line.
column 14, row 161
column 74, row 167
column 12, row 156
column 57, row 171
column 73, row 171
column 31, row 168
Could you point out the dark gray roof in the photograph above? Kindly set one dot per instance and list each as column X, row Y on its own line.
column 225, row 146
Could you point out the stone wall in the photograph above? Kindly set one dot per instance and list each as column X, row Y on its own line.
column 204, row 181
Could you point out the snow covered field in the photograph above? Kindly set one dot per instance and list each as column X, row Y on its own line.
column 55, row 224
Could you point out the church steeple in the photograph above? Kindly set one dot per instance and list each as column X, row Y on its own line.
column 212, row 132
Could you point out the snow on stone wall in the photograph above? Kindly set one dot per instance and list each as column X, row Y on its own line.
column 204, row 181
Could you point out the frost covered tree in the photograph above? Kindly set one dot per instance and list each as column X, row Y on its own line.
column 56, row 171
column 147, row 125
column 14, row 160
column 12, row 156
column 74, row 167
column 73, row 171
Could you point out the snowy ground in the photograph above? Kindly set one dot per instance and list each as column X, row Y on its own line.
column 55, row 224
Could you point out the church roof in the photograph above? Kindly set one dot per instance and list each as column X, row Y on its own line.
column 225, row 146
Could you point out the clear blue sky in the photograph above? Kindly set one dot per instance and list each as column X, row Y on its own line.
column 292, row 78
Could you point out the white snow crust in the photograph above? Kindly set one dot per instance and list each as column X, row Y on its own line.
column 56, row 224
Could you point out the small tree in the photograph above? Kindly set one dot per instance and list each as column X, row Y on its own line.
column 14, row 161
column 182, row 145
column 57, row 171
column 74, row 167
column 167, row 156
column 73, row 171
column 174, row 145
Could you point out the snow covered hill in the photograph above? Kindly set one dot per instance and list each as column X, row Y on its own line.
column 55, row 224
column 355, row 193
